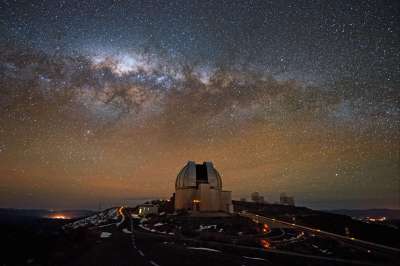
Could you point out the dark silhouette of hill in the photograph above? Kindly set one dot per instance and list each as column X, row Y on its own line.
column 326, row 221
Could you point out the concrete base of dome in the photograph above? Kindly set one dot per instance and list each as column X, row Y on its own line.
column 203, row 199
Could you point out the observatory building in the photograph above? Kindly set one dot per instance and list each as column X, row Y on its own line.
column 198, row 187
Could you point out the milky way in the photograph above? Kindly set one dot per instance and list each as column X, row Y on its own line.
column 106, row 101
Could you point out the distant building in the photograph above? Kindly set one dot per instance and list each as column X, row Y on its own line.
column 198, row 187
column 261, row 199
column 255, row 196
column 286, row 200
column 146, row 209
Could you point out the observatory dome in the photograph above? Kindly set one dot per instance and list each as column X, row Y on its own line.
column 193, row 174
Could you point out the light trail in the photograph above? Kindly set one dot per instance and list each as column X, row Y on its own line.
column 260, row 218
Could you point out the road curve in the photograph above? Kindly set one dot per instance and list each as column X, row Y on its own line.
column 315, row 231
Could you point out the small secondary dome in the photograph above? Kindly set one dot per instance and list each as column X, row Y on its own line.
column 194, row 174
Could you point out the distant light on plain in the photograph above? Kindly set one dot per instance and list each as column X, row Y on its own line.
column 58, row 217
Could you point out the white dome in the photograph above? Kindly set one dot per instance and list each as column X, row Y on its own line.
column 194, row 174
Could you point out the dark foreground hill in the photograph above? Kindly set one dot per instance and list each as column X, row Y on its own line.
column 330, row 222
column 118, row 236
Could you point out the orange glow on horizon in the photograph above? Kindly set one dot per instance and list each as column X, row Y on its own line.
column 58, row 216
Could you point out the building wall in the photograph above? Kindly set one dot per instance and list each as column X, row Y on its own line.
column 210, row 199
column 184, row 198
column 147, row 209
column 226, row 201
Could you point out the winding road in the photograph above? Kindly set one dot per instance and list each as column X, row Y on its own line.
column 348, row 240
column 131, row 245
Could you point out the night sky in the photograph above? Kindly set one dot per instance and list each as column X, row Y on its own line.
column 105, row 101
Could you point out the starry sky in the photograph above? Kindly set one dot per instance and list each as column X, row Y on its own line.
column 103, row 102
